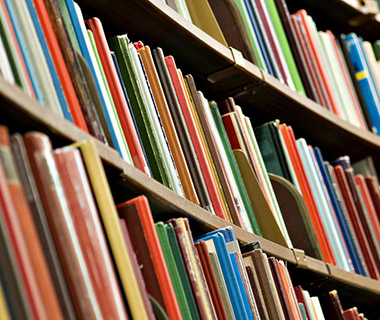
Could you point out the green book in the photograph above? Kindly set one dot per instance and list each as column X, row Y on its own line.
column 303, row 311
column 235, row 169
column 178, row 286
column 376, row 49
column 279, row 29
column 271, row 150
column 120, row 45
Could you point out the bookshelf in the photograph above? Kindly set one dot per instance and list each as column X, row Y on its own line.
column 262, row 97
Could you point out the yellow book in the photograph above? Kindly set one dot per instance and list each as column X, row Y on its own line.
column 113, row 229
column 4, row 314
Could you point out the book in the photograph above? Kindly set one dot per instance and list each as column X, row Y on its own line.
column 365, row 82
column 90, row 232
column 137, row 211
column 4, row 312
column 331, row 305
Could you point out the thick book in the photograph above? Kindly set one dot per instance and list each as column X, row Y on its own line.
column 24, row 216
column 136, row 212
column 331, row 306
column 114, row 233
column 90, row 231
column 366, row 84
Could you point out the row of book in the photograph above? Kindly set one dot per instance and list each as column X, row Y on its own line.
column 343, row 206
column 341, row 76
column 68, row 252
column 207, row 152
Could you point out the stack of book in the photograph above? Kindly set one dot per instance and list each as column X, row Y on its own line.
column 340, row 75
column 68, row 252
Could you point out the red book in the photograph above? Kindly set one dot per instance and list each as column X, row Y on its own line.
column 90, row 232
column 117, row 93
column 60, row 66
column 11, row 215
column 140, row 206
column 196, row 139
column 61, row 224
column 300, row 298
column 356, row 223
column 320, row 232
column 351, row 314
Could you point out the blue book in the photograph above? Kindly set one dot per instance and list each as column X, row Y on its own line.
column 228, row 273
column 263, row 46
column 49, row 61
column 341, row 217
column 366, row 84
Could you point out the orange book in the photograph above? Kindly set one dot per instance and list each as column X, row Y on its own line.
column 60, row 66
column 307, row 194
column 140, row 206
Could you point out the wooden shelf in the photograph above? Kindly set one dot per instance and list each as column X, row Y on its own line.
column 21, row 114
